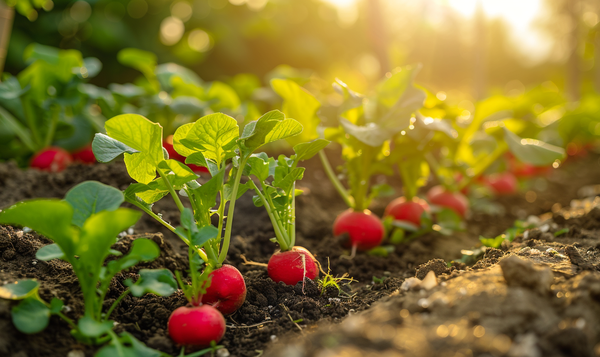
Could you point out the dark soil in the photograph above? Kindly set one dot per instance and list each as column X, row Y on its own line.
column 270, row 309
column 540, row 297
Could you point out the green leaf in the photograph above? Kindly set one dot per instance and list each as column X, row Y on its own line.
column 286, row 182
column 259, row 167
column 49, row 217
column 213, row 135
column 155, row 281
column 30, row 316
column 19, row 290
column 91, row 197
column 205, row 197
column 142, row 250
column 92, row 328
column 142, row 135
column 305, row 151
column 107, row 149
column 49, row 252
column 187, row 220
column 533, row 151
column 143, row 61
column 205, row 234
column 270, row 127
column 371, row 134
column 299, row 104
column 56, row 305
column 179, row 135
column 177, row 172
column 492, row 242
column 99, row 233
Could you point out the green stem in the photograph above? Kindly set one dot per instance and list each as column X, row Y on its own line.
column 361, row 201
column 67, row 320
column 228, row 227
column 117, row 342
column 55, row 110
column 221, row 213
column 156, row 217
column 335, row 181
column 283, row 227
column 29, row 118
column 484, row 164
column 116, row 303
column 433, row 164
column 281, row 239
column 292, row 218
column 171, row 190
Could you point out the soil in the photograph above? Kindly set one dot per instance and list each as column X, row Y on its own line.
column 273, row 311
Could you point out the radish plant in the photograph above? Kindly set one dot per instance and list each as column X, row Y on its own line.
column 214, row 142
column 364, row 127
column 277, row 192
column 83, row 226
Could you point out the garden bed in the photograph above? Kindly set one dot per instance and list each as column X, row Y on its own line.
column 272, row 311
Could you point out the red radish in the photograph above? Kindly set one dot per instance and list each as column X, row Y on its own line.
column 196, row 325
column 53, row 159
column 365, row 229
column 227, row 290
column 198, row 169
column 85, row 155
column 456, row 201
column 502, row 184
column 292, row 266
column 410, row 211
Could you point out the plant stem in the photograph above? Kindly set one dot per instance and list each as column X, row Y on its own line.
column 278, row 234
column 117, row 343
column 335, row 181
column 114, row 304
column 171, row 189
column 484, row 164
column 55, row 110
column 29, row 118
column 236, row 185
column 292, row 218
column 156, row 217
column 67, row 320
column 433, row 164
column 361, row 201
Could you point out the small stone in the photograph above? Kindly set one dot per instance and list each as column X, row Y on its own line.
column 76, row 353
column 224, row 352
column 430, row 281
column 410, row 284
column 519, row 272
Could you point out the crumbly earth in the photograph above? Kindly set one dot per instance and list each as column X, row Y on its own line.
column 271, row 311
column 540, row 297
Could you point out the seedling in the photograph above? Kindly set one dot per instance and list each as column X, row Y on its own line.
column 278, row 195
column 83, row 226
column 329, row 280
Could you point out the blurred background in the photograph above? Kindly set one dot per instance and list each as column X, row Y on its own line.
column 469, row 49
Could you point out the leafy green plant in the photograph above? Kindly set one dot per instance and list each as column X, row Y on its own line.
column 83, row 226
column 214, row 142
column 277, row 191
column 44, row 106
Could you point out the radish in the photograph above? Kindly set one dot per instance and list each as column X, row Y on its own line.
column 85, row 155
column 53, row 159
column 364, row 229
column 456, row 201
column 292, row 266
column 196, row 325
column 410, row 211
column 227, row 290
column 502, row 184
